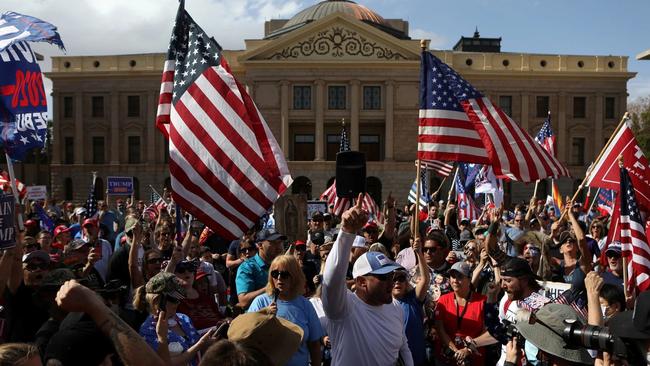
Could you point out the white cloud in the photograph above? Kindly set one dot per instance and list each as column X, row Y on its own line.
column 437, row 41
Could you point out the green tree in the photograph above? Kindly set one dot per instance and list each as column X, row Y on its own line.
column 639, row 110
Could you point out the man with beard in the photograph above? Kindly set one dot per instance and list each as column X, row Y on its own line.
column 614, row 272
column 252, row 275
column 365, row 327
column 25, row 315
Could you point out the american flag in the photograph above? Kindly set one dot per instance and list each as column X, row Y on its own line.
column 158, row 202
column 466, row 206
column 424, row 191
column 545, row 136
column 226, row 167
column 445, row 131
column 341, row 204
column 439, row 167
column 5, row 185
column 633, row 237
column 494, row 138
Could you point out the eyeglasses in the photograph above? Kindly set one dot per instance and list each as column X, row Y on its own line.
column 468, row 249
column 280, row 275
column 431, row 250
column 247, row 249
column 382, row 277
column 31, row 267
column 154, row 260
column 399, row 278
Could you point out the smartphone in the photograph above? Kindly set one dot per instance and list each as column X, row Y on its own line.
column 222, row 331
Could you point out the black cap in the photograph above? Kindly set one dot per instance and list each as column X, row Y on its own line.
column 317, row 216
column 516, row 267
column 270, row 235
column 635, row 323
column 317, row 238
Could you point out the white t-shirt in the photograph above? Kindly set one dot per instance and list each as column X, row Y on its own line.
column 318, row 306
column 361, row 334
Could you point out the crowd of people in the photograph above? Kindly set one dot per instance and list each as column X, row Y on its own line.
column 527, row 286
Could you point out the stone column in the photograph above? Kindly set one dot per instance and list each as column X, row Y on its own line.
column 389, row 119
column 598, row 126
column 56, row 130
column 354, row 115
column 284, row 117
column 79, row 134
column 525, row 100
column 562, row 149
column 152, row 106
column 115, row 129
column 320, row 120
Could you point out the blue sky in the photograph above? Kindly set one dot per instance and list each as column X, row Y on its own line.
column 596, row 27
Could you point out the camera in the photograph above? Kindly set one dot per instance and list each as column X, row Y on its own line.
column 577, row 335
column 511, row 332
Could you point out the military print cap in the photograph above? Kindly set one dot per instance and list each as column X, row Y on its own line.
column 166, row 283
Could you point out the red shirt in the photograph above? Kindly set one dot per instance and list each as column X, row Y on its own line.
column 203, row 311
column 470, row 321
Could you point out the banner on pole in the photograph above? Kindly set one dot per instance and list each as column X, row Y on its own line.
column 36, row 193
column 120, row 185
column 7, row 228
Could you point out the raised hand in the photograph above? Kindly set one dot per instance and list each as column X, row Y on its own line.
column 354, row 218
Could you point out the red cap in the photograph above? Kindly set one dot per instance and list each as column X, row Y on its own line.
column 60, row 230
column 200, row 274
column 299, row 243
column 370, row 225
column 31, row 223
column 91, row 222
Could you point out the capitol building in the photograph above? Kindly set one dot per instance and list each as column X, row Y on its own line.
column 334, row 60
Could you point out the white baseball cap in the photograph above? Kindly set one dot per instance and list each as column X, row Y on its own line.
column 373, row 263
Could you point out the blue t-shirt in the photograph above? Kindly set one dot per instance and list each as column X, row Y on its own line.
column 252, row 275
column 300, row 312
column 414, row 325
column 109, row 219
column 609, row 277
column 148, row 332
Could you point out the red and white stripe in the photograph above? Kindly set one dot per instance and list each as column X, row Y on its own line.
column 165, row 98
column 439, row 167
column 634, row 245
column 449, row 135
column 226, row 167
column 467, row 207
column 341, row 204
column 512, row 151
column 5, row 185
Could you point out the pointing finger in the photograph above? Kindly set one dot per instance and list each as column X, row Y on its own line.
column 359, row 199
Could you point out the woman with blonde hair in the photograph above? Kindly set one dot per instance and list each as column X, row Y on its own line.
column 284, row 297
column 19, row 354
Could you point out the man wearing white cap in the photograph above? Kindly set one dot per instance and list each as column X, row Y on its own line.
column 365, row 327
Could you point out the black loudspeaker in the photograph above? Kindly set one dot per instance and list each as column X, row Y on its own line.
column 350, row 173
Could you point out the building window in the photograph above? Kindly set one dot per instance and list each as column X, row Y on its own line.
column 505, row 103
column 336, row 98
column 98, row 150
column 134, row 150
column 542, row 106
column 610, row 108
column 98, row 106
column 133, row 106
column 371, row 97
column 68, row 107
column 578, row 151
column 369, row 145
column 67, row 188
column 303, row 147
column 68, row 150
column 302, row 97
column 333, row 146
column 579, row 107
column 99, row 189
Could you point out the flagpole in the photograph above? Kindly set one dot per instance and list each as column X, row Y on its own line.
column 453, row 185
column 416, row 211
column 435, row 194
column 609, row 141
column 535, row 190
column 594, row 200
column 12, row 178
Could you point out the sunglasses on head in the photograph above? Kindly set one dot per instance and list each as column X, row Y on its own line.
column 31, row 267
column 280, row 275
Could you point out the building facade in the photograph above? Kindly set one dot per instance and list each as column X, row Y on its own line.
column 334, row 61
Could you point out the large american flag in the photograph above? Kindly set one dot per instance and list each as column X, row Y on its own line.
column 634, row 242
column 226, row 167
column 482, row 134
column 545, row 136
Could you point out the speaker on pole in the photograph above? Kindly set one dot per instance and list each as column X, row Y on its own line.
column 350, row 173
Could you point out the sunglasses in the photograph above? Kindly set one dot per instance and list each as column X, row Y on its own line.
column 383, row 277
column 247, row 250
column 154, row 260
column 280, row 275
column 399, row 278
column 431, row 250
column 613, row 255
column 470, row 249
column 31, row 267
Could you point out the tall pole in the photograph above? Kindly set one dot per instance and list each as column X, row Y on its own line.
column 12, row 178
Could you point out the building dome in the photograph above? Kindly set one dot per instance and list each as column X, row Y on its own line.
column 325, row 8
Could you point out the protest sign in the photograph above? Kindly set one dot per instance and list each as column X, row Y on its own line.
column 553, row 289
column 7, row 228
column 120, row 185
column 36, row 193
column 316, row 206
